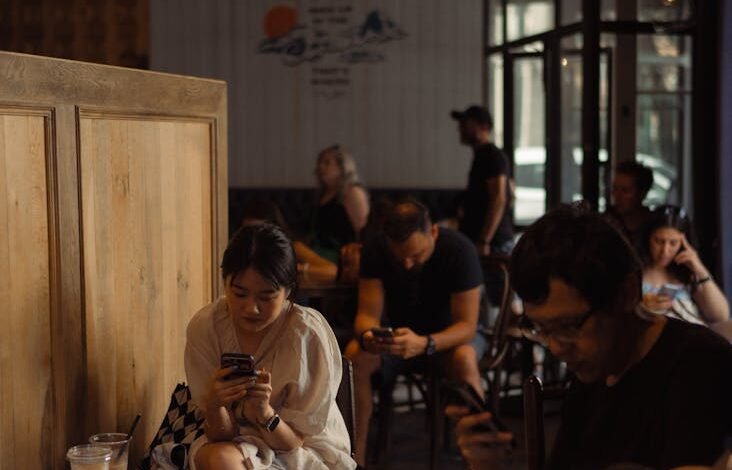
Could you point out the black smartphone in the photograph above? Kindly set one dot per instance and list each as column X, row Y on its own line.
column 244, row 364
column 463, row 394
column 383, row 332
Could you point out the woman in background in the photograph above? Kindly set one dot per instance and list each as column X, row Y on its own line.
column 309, row 262
column 285, row 415
column 675, row 281
column 343, row 204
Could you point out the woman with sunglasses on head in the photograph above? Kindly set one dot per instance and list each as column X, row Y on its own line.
column 675, row 281
column 343, row 203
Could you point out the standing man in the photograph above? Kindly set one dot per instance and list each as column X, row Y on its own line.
column 427, row 281
column 486, row 217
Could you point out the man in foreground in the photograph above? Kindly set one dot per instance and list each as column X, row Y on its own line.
column 648, row 389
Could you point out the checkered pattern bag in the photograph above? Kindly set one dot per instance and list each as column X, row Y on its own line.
column 183, row 423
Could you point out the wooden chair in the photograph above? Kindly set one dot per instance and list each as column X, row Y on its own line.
column 345, row 401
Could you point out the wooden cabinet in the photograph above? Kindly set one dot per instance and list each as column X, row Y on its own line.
column 113, row 220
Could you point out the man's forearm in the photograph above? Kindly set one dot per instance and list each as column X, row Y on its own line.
column 454, row 335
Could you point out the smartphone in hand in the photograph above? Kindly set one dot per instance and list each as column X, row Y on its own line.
column 463, row 394
column 244, row 364
column 670, row 290
column 382, row 332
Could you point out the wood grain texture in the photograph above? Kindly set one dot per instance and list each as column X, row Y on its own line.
column 147, row 217
column 26, row 400
column 113, row 217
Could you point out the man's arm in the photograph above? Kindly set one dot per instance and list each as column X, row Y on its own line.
column 496, row 189
column 464, row 307
column 370, row 305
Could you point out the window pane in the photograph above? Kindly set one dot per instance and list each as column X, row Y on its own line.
column 663, row 10
column 495, row 96
column 571, row 115
column 527, row 17
column 571, row 11
column 495, row 22
column 529, row 141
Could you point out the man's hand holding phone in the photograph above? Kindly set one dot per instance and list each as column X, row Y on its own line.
column 407, row 344
column 377, row 340
column 481, row 448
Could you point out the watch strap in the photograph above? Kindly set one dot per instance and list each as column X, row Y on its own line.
column 431, row 347
column 271, row 424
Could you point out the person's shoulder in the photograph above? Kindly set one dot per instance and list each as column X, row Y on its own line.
column 208, row 313
column 697, row 344
column 307, row 322
column 450, row 239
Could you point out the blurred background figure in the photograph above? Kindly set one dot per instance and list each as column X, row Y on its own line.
column 343, row 203
column 631, row 183
column 257, row 211
column 675, row 281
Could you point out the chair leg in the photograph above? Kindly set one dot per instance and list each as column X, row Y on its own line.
column 436, row 421
column 386, row 408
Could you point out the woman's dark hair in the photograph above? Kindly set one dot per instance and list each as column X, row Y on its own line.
column 578, row 246
column 266, row 249
column 670, row 216
column 642, row 175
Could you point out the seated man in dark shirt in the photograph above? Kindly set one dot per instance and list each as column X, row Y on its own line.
column 426, row 281
column 648, row 389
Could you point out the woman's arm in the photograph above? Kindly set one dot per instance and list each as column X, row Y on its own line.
column 309, row 262
column 257, row 410
column 356, row 203
column 220, row 422
column 706, row 293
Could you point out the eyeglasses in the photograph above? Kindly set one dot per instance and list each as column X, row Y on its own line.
column 566, row 332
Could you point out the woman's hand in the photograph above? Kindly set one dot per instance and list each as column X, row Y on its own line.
column 256, row 407
column 688, row 257
column 482, row 449
column 656, row 303
column 222, row 392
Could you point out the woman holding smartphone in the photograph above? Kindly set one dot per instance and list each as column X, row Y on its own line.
column 285, row 414
column 675, row 281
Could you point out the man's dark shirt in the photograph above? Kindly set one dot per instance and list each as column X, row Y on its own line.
column 673, row 408
column 488, row 162
column 420, row 300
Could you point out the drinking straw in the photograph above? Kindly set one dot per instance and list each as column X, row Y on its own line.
column 129, row 436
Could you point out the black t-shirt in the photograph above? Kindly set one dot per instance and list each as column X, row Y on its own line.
column 488, row 162
column 421, row 300
column 673, row 408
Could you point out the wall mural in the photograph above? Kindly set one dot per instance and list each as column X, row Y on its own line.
column 333, row 40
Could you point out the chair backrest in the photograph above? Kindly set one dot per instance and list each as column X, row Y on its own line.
column 498, row 331
column 534, row 422
column 345, row 401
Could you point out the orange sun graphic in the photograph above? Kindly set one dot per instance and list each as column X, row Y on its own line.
column 279, row 21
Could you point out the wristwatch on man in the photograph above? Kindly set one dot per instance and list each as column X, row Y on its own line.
column 431, row 346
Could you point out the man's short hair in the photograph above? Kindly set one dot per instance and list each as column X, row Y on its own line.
column 642, row 175
column 578, row 246
column 479, row 114
column 404, row 218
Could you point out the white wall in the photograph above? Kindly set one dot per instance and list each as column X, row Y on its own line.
column 393, row 114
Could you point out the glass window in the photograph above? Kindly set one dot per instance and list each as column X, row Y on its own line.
column 495, row 22
column 647, row 10
column 571, row 11
column 495, row 96
column 528, row 17
column 529, row 140
column 663, row 114
column 663, row 10
column 571, row 118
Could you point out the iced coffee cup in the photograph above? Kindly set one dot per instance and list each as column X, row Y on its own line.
column 116, row 441
column 89, row 457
